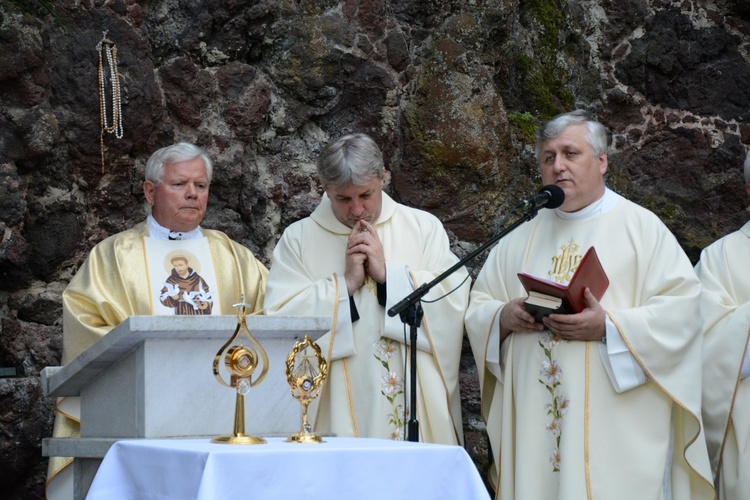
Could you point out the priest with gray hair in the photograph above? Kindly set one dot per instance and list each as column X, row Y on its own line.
column 353, row 258
column 602, row 402
column 116, row 280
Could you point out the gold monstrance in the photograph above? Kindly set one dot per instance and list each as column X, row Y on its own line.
column 305, row 382
column 241, row 362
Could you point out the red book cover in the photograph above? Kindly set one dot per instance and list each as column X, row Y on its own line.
column 590, row 273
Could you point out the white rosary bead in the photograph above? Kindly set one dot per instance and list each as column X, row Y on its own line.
column 108, row 50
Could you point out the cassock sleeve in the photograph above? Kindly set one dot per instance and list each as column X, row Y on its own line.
column 621, row 366
column 291, row 290
column 443, row 319
column 488, row 296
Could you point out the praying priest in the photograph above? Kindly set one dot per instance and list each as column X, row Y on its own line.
column 133, row 273
column 358, row 254
column 604, row 403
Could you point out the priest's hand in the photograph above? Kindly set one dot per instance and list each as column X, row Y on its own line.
column 515, row 318
column 588, row 324
column 364, row 239
column 355, row 273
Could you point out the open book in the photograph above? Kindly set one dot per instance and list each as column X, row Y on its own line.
column 547, row 297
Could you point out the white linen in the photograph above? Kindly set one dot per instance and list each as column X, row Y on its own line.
column 339, row 468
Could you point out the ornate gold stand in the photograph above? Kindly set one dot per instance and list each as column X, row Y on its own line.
column 241, row 362
column 305, row 382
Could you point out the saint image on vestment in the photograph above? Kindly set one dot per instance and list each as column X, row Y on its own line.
column 184, row 290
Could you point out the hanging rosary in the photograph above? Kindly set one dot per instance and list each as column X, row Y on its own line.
column 108, row 55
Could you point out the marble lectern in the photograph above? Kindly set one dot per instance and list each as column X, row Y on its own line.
column 151, row 377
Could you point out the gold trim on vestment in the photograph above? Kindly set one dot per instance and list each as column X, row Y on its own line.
column 586, row 420
column 350, row 401
column 238, row 270
column 448, row 398
column 347, row 383
column 57, row 471
column 493, row 465
column 66, row 415
column 486, row 349
column 148, row 275
column 335, row 321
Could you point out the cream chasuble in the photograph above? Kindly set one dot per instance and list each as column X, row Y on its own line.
column 113, row 284
column 557, row 427
column 725, row 307
column 367, row 388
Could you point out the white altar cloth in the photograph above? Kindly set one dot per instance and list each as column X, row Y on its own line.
column 339, row 468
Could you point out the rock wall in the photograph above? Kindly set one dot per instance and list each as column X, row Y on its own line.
column 452, row 90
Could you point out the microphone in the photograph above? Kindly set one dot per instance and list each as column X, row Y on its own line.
column 549, row 196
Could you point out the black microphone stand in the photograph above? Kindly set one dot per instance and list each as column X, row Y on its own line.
column 410, row 311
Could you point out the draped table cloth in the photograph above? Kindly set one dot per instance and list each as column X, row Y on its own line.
column 338, row 468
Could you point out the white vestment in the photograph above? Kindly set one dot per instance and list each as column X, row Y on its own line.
column 725, row 308
column 560, row 424
column 368, row 384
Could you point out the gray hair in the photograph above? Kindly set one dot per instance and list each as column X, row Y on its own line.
column 182, row 151
column 352, row 159
column 747, row 168
column 596, row 137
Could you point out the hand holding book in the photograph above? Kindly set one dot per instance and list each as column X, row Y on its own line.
column 547, row 297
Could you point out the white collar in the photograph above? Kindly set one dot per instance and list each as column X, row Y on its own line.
column 601, row 206
column 162, row 233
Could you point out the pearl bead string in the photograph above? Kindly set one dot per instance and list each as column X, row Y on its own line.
column 108, row 51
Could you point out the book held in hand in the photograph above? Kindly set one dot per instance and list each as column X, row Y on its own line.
column 547, row 297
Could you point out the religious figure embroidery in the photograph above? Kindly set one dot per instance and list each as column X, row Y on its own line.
column 185, row 291
column 392, row 386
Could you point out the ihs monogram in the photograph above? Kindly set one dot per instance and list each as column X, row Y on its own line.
column 566, row 263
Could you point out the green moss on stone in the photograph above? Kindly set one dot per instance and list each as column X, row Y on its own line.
column 541, row 80
column 524, row 124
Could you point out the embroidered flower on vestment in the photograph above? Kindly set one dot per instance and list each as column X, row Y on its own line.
column 392, row 383
column 398, row 415
column 554, row 427
column 555, row 459
column 551, row 373
column 551, row 339
column 385, row 349
column 392, row 386
column 562, row 404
